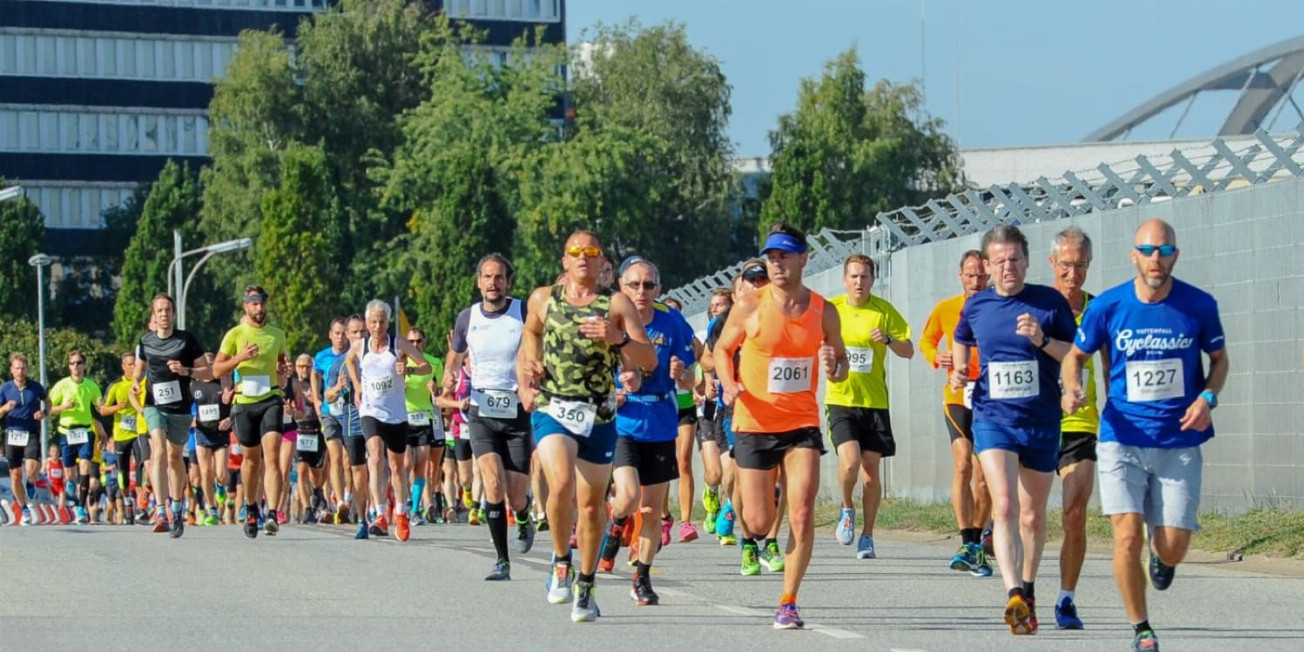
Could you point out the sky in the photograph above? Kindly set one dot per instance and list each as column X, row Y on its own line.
column 1000, row 73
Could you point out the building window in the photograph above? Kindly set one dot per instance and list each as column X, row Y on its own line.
column 532, row 8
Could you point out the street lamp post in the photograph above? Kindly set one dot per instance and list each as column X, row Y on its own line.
column 40, row 261
column 175, row 279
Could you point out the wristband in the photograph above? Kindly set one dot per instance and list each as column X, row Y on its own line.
column 1045, row 341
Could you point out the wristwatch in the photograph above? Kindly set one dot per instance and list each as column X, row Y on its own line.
column 1210, row 398
column 623, row 341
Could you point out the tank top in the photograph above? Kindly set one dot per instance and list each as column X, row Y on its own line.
column 382, row 390
column 779, row 367
column 492, row 345
column 576, row 367
column 1087, row 418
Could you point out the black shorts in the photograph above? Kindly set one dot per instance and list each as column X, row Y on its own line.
column 688, row 415
column 959, row 422
column 420, row 435
column 30, row 451
column 357, row 450
column 869, row 427
column 764, row 451
column 511, row 439
column 315, row 456
column 212, row 440
column 460, row 450
column 142, row 449
column 393, row 434
column 1076, row 447
column 654, row 462
column 712, row 430
column 253, row 420
column 113, row 491
column 232, row 481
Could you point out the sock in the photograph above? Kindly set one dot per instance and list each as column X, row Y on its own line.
column 641, row 570
column 1065, row 595
column 788, row 598
column 620, row 522
column 564, row 559
column 497, row 517
column 588, row 579
column 1029, row 591
column 84, row 492
column 1142, row 626
column 971, row 535
column 418, row 490
column 348, row 498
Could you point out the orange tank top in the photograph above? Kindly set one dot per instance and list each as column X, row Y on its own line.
column 779, row 367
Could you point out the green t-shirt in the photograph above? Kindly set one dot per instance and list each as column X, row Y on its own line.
column 84, row 396
column 416, row 393
column 256, row 378
column 127, row 416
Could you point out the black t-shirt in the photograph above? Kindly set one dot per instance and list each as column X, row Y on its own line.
column 167, row 391
column 208, row 394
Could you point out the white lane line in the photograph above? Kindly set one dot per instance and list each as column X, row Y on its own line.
column 832, row 631
column 743, row 611
column 905, row 649
column 757, row 613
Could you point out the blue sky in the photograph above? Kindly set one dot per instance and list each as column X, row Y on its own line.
column 1022, row 72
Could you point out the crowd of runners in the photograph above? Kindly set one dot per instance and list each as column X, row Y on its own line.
column 574, row 409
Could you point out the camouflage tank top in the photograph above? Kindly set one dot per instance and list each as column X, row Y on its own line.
column 576, row 367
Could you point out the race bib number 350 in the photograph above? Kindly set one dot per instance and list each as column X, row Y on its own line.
column 861, row 359
column 790, row 375
column 576, row 417
column 1012, row 380
column 1155, row 380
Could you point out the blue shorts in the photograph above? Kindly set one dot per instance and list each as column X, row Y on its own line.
column 1037, row 447
column 598, row 448
column 728, row 432
column 70, row 453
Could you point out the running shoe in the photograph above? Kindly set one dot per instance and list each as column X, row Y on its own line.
column 502, row 572
column 626, row 534
column 963, row 559
column 1066, row 615
column 190, row 519
column 524, row 536
column 1032, row 616
column 160, row 523
column 178, row 526
column 379, row 527
column 282, row 517
column 467, row 499
column 982, row 566
column 728, row 540
column 15, row 510
column 711, row 499
column 772, row 557
column 211, row 519
column 342, row 513
column 433, row 514
column 240, row 515
column 642, row 593
column 474, row 517
column 402, row 528
column 250, row 523
column 609, row 547
column 986, row 541
column 846, row 531
column 82, row 518
column 1145, row 642
column 541, row 524
column 362, row 530
column 559, row 583
column 751, row 559
column 787, row 617
column 26, row 520
column 220, row 494
column 585, row 609
column 687, row 532
column 708, row 523
column 865, row 548
column 272, row 524
column 667, row 524
column 1017, row 615
column 1161, row 574
column 724, row 522
column 418, row 519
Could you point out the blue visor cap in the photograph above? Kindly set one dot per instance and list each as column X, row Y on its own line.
column 783, row 242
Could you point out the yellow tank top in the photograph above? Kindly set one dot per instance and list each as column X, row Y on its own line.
column 1087, row 418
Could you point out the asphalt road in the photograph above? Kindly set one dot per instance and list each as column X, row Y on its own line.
column 315, row 588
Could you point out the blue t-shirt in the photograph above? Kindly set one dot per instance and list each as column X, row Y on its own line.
column 1018, row 384
column 322, row 363
column 652, row 413
column 351, row 420
column 1155, row 371
column 27, row 402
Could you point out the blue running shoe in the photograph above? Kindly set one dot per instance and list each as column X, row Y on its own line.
column 240, row 516
column 1066, row 615
column 865, row 548
column 982, row 567
column 724, row 523
column 362, row 530
column 846, row 526
column 963, row 559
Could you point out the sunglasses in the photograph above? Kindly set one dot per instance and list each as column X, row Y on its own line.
column 587, row 252
column 418, row 341
column 646, row 285
column 77, row 363
column 1165, row 251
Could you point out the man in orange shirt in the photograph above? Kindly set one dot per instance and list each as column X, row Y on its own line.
column 972, row 506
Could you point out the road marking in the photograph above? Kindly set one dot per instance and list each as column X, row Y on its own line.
column 904, row 649
column 757, row 613
column 742, row 611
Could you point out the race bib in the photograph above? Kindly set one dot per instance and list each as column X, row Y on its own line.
column 337, row 408
column 166, row 393
column 286, row 417
column 1012, row 380
column 16, row 437
column 381, row 386
column 128, row 423
column 576, row 417
column 968, row 395
column 78, row 436
column 861, row 359
column 496, row 403
column 418, row 419
column 236, row 449
column 255, row 385
column 210, row 413
column 790, row 375
column 307, row 443
column 1155, row 380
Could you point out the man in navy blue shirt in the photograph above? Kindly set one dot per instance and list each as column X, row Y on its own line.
column 23, row 404
column 1154, row 329
column 1022, row 332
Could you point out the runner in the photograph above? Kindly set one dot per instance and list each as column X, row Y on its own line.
column 458, row 460
column 255, row 351
column 711, row 441
column 23, row 404
column 785, row 334
column 425, row 425
column 309, row 443
column 973, row 506
column 212, row 438
column 337, row 458
column 687, row 419
column 74, row 400
column 646, row 423
column 1022, row 332
column 373, row 364
column 488, row 336
column 128, row 425
column 860, row 425
column 339, row 394
column 575, row 337
column 1070, row 257
column 1158, row 413
column 168, row 359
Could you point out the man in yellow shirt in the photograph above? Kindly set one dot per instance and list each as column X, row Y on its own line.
column 857, row 408
column 73, row 402
column 127, row 426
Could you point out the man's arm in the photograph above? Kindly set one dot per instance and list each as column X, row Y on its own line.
column 639, row 351
column 422, row 367
column 351, row 367
column 841, row 367
column 529, row 358
column 1219, row 366
column 731, row 337
column 1071, row 379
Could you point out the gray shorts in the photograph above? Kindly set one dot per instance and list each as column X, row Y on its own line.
column 1161, row 483
column 331, row 428
column 175, row 426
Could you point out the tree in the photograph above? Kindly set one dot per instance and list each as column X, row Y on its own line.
column 88, row 286
column 172, row 204
column 298, row 227
column 22, row 234
column 847, row 154
column 21, row 336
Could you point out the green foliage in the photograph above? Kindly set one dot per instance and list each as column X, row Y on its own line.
column 20, row 336
column 298, row 225
column 22, row 234
column 847, row 154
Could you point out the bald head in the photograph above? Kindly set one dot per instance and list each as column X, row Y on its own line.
column 1156, row 232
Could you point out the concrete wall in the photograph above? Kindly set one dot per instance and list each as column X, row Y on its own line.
column 1246, row 247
